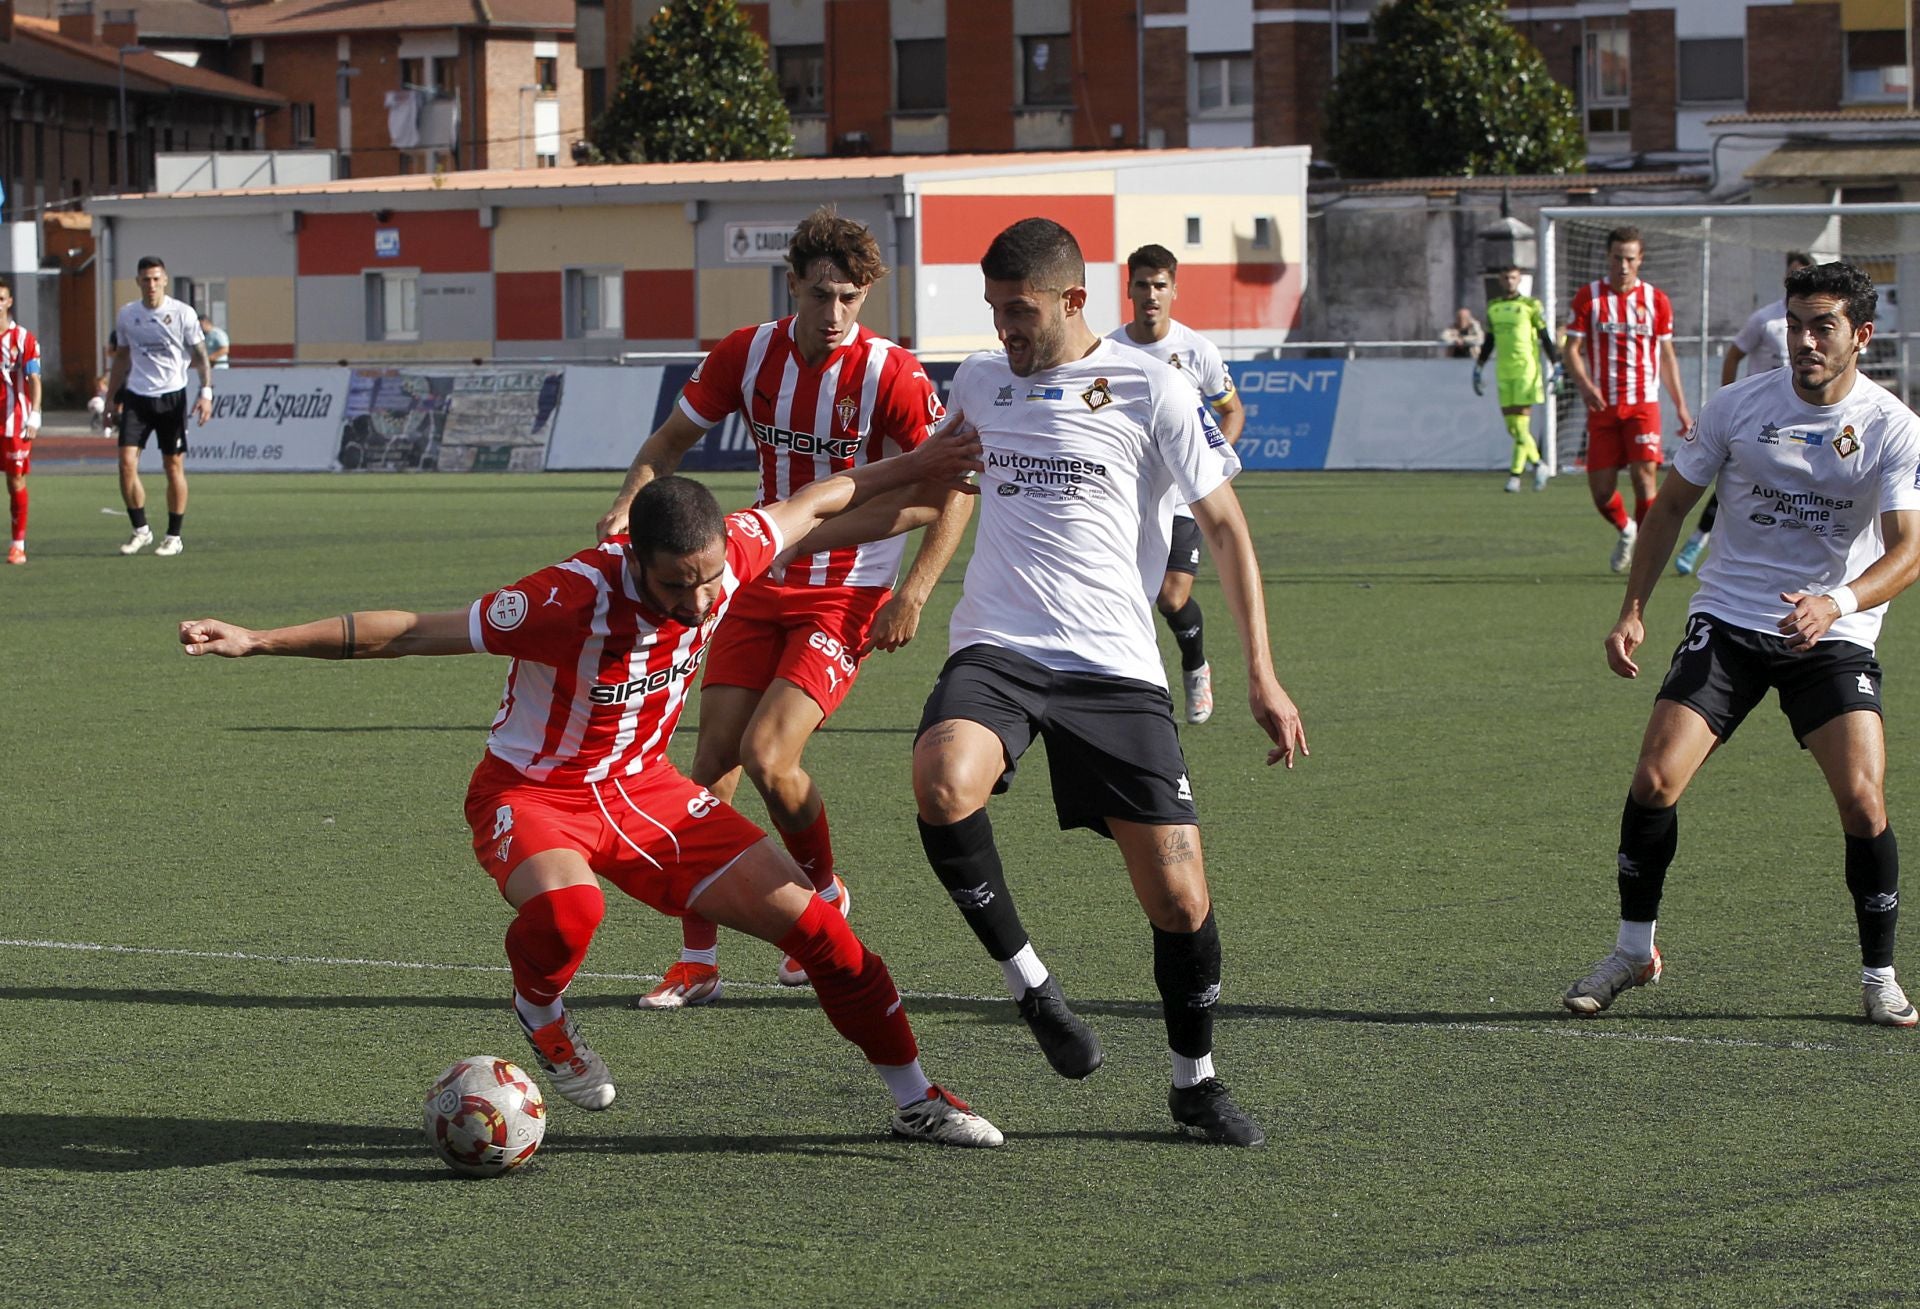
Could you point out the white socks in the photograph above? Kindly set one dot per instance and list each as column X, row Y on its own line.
column 1024, row 971
column 1191, row 1072
column 1635, row 940
column 536, row 1016
column 709, row 956
column 907, row 1083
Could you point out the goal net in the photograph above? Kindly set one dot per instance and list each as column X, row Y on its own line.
column 1718, row 264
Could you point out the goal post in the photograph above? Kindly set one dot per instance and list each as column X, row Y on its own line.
column 1717, row 264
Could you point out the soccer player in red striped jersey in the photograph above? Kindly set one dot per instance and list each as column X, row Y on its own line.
column 821, row 394
column 576, row 784
column 19, row 415
column 1623, row 330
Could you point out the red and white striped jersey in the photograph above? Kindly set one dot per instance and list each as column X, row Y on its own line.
column 18, row 349
column 599, row 676
column 810, row 423
column 1621, row 332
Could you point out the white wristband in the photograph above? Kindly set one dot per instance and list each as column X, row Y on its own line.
column 1845, row 600
column 33, row 418
column 207, row 391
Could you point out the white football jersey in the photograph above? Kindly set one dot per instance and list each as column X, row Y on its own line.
column 1802, row 489
column 1763, row 338
column 159, row 342
column 1194, row 358
column 1072, row 540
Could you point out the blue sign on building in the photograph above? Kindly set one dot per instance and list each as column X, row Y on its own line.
column 1290, row 409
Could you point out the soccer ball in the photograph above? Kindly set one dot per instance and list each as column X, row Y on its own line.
column 485, row 1116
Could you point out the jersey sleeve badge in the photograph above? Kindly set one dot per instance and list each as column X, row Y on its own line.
column 508, row 610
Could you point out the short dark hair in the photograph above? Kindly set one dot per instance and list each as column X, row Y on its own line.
column 674, row 515
column 824, row 234
column 6, row 284
column 150, row 261
column 1037, row 251
column 1622, row 235
column 1843, row 280
column 1156, row 257
column 1799, row 259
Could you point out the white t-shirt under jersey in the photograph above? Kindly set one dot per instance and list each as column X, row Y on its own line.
column 159, row 342
column 1194, row 358
column 1071, row 542
column 1763, row 338
column 1802, row 488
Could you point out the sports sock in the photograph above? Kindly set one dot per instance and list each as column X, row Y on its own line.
column 852, row 984
column 965, row 860
column 1640, row 508
column 173, row 523
column 690, row 955
column 1024, row 971
column 905, row 1082
column 1707, row 516
column 1648, row 838
column 548, row 939
column 1191, row 1072
column 1634, row 940
column 1189, row 633
column 1615, row 512
column 536, row 1016
column 1698, row 538
column 700, row 937
column 1873, row 876
column 1525, row 450
column 138, row 517
column 17, row 502
column 1186, row 969
column 812, row 848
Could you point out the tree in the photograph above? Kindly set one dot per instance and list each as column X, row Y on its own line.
column 696, row 85
column 1448, row 89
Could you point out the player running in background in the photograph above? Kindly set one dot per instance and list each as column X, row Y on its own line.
column 1624, row 330
column 19, row 416
column 1152, row 286
column 1762, row 342
column 1818, row 467
column 821, row 394
column 159, row 339
column 576, row 784
column 1053, row 637
column 1516, row 334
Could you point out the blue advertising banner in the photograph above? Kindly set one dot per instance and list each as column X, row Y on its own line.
column 1290, row 410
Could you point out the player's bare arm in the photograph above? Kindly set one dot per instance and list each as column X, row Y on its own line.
column 203, row 407
column 945, row 460
column 117, row 378
column 1576, row 365
column 32, row 427
column 1670, row 378
column 1232, row 416
column 659, row 455
column 1730, row 366
column 1229, row 541
column 369, row 634
column 899, row 618
column 1658, row 534
column 1889, row 575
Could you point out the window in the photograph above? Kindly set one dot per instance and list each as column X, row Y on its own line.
column 393, row 305
column 1877, row 65
column 802, row 70
column 1713, row 69
column 207, row 295
column 300, row 116
column 546, row 159
column 1262, row 233
column 1193, row 229
column 413, row 72
column 1605, row 79
column 596, row 93
column 593, row 302
column 1046, row 70
column 1223, row 85
column 546, row 74
column 920, row 75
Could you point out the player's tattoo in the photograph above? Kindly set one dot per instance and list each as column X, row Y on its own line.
column 1175, row 848
column 943, row 734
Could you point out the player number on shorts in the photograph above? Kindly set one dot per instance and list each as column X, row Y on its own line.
column 1702, row 633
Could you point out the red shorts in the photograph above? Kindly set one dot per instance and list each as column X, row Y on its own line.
column 16, row 456
column 655, row 835
column 809, row 635
column 1622, row 435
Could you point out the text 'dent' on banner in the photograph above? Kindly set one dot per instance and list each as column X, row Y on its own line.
column 1291, row 405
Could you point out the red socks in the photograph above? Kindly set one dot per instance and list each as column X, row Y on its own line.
column 548, row 939
column 812, row 848
column 696, row 933
column 853, row 985
column 1615, row 512
column 1640, row 508
column 18, row 501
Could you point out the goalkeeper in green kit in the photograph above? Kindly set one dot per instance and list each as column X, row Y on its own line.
column 1517, row 329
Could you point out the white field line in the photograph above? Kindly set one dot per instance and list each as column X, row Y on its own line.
column 1555, row 1027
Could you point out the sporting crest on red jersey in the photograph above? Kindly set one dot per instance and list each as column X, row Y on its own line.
column 846, row 409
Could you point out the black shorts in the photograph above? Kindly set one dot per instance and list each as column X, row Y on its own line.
column 1112, row 748
column 1184, row 557
column 1721, row 672
column 163, row 417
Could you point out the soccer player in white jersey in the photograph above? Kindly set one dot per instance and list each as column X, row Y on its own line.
column 821, row 394
column 1819, row 472
column 19, row 415
column 576, row 785
column 159, row 339
column 1152, row 286
column 1623, row 328
column 1762, row 342
column 1053, row 636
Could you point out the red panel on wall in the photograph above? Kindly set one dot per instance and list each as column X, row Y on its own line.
column 527, row 307
column 437, row 241
column 956, row 229
column 260, row 350
column 1233, row 297
column 657, row 304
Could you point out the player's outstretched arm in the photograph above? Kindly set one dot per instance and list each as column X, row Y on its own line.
column 944, row 460
column 1889, row 575
column 1231, row 545
column 899, row 618
column 1658, row 533
column 1670, row 377
column 659, row 455
column 369, row 634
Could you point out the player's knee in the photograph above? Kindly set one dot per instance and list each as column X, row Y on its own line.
column 1863, row 810
column 1176, row 909
column 766, row 763
column 943, row 798
column 1656, row 786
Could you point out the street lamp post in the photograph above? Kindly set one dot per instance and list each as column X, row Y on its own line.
column 126, row 178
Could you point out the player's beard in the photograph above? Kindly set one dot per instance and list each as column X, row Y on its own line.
column 1045, row 348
